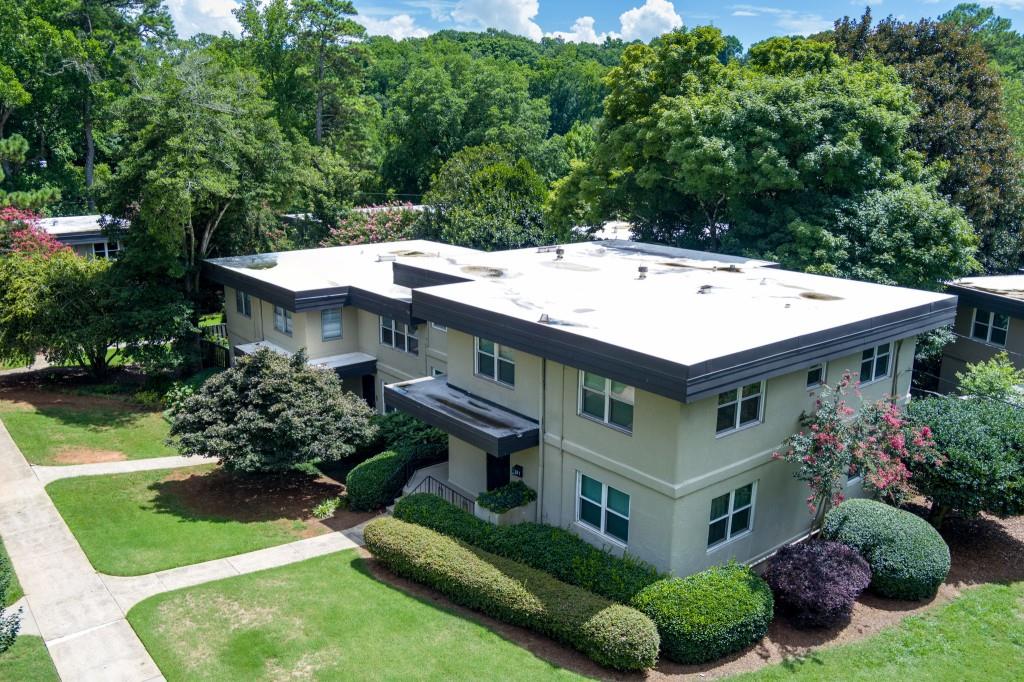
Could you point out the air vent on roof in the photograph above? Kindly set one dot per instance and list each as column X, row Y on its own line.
column 546, row 249
column 643, row 272
column 705, row 288
column 559, row 253
column 544, row 319
column 386, row 257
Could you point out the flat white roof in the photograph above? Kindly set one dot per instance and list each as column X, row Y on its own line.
column 1011, row 286
column 73, row 224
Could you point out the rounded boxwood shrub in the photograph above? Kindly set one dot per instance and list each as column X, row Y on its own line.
column 908, row 558
column 375, row 483
column 613, row 635
column 709, row 614
column 816, row 583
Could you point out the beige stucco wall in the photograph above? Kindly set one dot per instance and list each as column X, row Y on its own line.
column 965, row 349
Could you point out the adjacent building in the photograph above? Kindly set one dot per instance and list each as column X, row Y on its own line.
column 640, row 389
column 989, row 320
column 83, row 234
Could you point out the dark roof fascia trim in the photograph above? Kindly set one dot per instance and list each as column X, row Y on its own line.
column 80, row 238
column 321, row 299
column 414, row 277
column 769, row 361
column 988, row 301
column 252, row 286
column 356, row 370
column 500, row 446
column 400, row 311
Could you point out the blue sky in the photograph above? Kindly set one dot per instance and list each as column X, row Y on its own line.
column 591, row 20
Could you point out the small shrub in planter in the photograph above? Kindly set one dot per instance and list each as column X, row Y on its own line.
column 613, row 635
column 507, row 497
column 710, row 614
column 404, row 433
column 375, row 483
column 908, row 558
column 816, row 583
column 547, row 548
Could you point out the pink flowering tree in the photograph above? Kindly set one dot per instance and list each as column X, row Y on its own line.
column 837, row 442
column 20, row 234
column 385, row 223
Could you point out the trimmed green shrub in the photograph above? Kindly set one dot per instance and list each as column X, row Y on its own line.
column 546, row 548
column 908, row 558
column 507, row 497
column 613, row 635
column 376, row 482
column 10, row 622
column 404, row 433
column 710, row 614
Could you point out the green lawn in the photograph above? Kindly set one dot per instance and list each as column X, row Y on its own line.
column 131, row 524
column 325, row 618
column 28, row 661
column 60, row 434
column 980, row 636
column 14, row 591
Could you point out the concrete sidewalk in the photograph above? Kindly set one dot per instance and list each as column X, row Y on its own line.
column 130, row 590
column 80, row 620
column 49, row 474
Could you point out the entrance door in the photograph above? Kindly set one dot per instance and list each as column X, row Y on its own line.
column 498, row 471
column 370, row 389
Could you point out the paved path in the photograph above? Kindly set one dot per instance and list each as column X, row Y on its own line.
column 129, row 591
column 48, row 474
column 80, row 620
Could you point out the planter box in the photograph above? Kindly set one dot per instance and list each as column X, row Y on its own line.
column 528, row 512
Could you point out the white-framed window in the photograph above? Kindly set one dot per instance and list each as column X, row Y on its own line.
column 602, row 508
column 990, row 327
column 732, row 515
column 740, row 408
column 495, row 362
column 105, row 249
column 817, row 375
column 384, row 407
column 283, row 320
column 243, row 303
column 606, row 401
column 399, row 336
column 875, row 363
column 439, row 327
column 330, row 324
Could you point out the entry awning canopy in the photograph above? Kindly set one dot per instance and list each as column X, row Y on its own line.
column 344, row 365
column 479, row 422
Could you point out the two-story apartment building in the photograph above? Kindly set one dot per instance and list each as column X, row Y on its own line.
column 83, row 234
column 641, row 390
column 989, row 320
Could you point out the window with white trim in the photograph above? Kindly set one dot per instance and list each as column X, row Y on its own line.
column 384, row 407
column 732, row 515
column 399, row 336
column 495, row 362
column 739, row 408
column 990, row 327
column 602, row 508
column 283, row 320
column 439, row 327
column 243, row 303
column 106, row 249
column 607, row 401
column 330, row 324
column 875, row 363
column 816, row 375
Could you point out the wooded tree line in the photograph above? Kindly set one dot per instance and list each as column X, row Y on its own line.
column 885, row 150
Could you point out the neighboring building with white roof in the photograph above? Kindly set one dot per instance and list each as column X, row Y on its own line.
column 989, row 320
column 640, row 389
column 83, row 233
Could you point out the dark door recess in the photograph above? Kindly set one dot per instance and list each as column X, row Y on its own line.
column 370, row 389
column 498, row 471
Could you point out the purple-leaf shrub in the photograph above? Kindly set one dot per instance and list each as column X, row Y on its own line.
column 816, row 582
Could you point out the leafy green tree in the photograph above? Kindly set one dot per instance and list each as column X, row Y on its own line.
column 83, row 311
column 13, row 149
column 485, row 198
column 791, row 55
column 982, row 443
column 270, row 413
column 995, row 378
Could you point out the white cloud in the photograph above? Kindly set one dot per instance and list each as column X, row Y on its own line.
column 649, row 20
column 791, row 21
column 398, row 27
column 203, row 16
column 582, row 31
column 515, row 16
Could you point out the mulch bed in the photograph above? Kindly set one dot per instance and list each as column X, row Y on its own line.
column 984, row 550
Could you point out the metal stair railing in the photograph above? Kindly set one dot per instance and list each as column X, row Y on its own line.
column 433, row 486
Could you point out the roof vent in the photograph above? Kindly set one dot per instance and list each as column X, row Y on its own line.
column 559, row 253
column 544, row 319
column 546, row 249
column 386, row 257
column 704, row 288
column 643, row 272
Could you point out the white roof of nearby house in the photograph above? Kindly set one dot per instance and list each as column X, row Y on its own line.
column 68, row 225
column 1011, row 286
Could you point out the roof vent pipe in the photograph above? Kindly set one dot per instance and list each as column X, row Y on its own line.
column 386, row 257
column 705, row 288
column 544, row 319
column 559, row 253
column 643, row 272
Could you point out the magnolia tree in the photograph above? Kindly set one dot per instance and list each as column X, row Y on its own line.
column 837, row 442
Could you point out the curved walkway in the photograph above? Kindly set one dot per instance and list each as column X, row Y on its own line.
column 49, row 474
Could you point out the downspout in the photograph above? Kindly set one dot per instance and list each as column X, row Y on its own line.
column 895, row 371
column 540, row 445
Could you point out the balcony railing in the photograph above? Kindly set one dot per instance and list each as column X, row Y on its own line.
column 433, row 486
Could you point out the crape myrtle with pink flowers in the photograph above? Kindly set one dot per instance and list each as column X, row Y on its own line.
column 838, row 442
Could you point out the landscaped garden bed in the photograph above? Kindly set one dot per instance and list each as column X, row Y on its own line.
column 137, row 523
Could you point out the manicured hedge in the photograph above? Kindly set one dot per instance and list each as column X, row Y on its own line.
column 613, row 635
column 908, row 558
column 546, row 548
column 507, row 497
column 815, row 583
column 709, row 614
column 375, row 483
